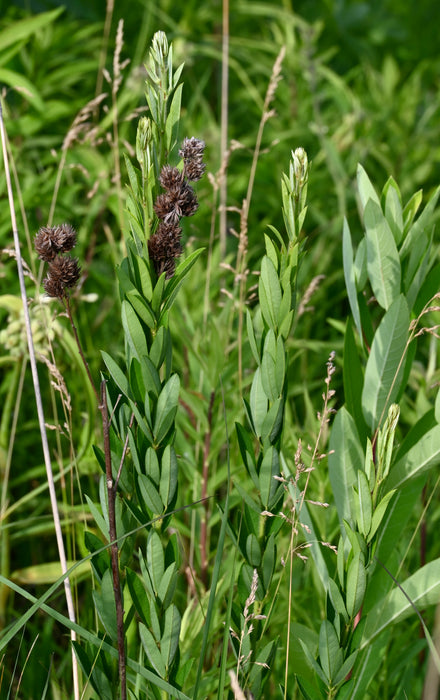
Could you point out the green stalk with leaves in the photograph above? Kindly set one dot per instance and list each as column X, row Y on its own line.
column 376, row 481
column 260, row 441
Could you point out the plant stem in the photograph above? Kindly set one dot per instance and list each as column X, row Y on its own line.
column 204, row 495
column 111, row 491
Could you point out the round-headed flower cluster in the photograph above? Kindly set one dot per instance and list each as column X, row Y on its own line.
column 178, row 200
column 52, row 243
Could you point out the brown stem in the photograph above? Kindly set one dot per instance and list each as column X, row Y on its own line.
column 204, row 524
column 111, row 491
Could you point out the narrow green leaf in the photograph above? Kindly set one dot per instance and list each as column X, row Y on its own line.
column 155, row 559
column 364, row 504
column 269, row 291
column 149, row 494
column 173, row 119
column 345, row 459
column 152, row 650
column 337, row 600
column 379, row 513
column 422, row 589
column 424, row 221
column 349, row 274
column 258, row 402
column 383, row 261
column 356, row 584
column 23, row 28
column 137, row 594
column 117, row 374
column 273, row 422
column 170, row 638
column 251, row 337
column 104, row 601
column 133, row 331
column 168, row 476
column 346, row 668
column 268, row 561
column 253, row 551
column 365, row 188
column 393, row 208
column 424, row 455
column 330, row 653
column 314, row 665
column 166, row 407
column 141, row 307
column 353, row 379
column 176, row 281
column 167, row 586
column 385, row 366
column 270, row 467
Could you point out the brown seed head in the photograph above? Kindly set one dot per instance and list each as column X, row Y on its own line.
column 51, row 240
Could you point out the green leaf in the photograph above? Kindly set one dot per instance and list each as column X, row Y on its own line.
column 356, row 584
column 350, row 280
column 270, row 467
column 268, row 561
column 363, row 504
column 314, row 665
column 269, row 291
column 424, row 455
column 424, row 221
column 104, row 601
column 22, row 29
column 393, row 208
column 345, row 668
column 133, row 331
column 345, row 459
column 247, row 452
column 155, row 559
column 166, row 407
column 273, row 366
column 137, row 595
column 98, row 518
column 365, row 188
column 330, row 653
column 176, row 281
column 379, row 513
column 173, row 119
column 117, row 374
column 251, row 337
column 411, row 208
column 337, row 599
column 168, row 475
column 170, row 637
column 141, row 307
column 273, row 422
column 152, row 650
column 253, row 551
column 383, row 261
column 385, row 366
column 149, row 495
column 258, row 402
column 167, row 586
column 353, row 379
column 134, row 177
column 422, row 589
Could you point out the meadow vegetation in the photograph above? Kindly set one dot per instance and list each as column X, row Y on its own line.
column 219, row 454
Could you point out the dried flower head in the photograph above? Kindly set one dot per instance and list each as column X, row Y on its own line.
column 63, row 273
column 192, row 153
column 164, row 247
column 170, row 178
column 52, row 240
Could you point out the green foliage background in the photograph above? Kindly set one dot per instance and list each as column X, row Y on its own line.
column 360, row 85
